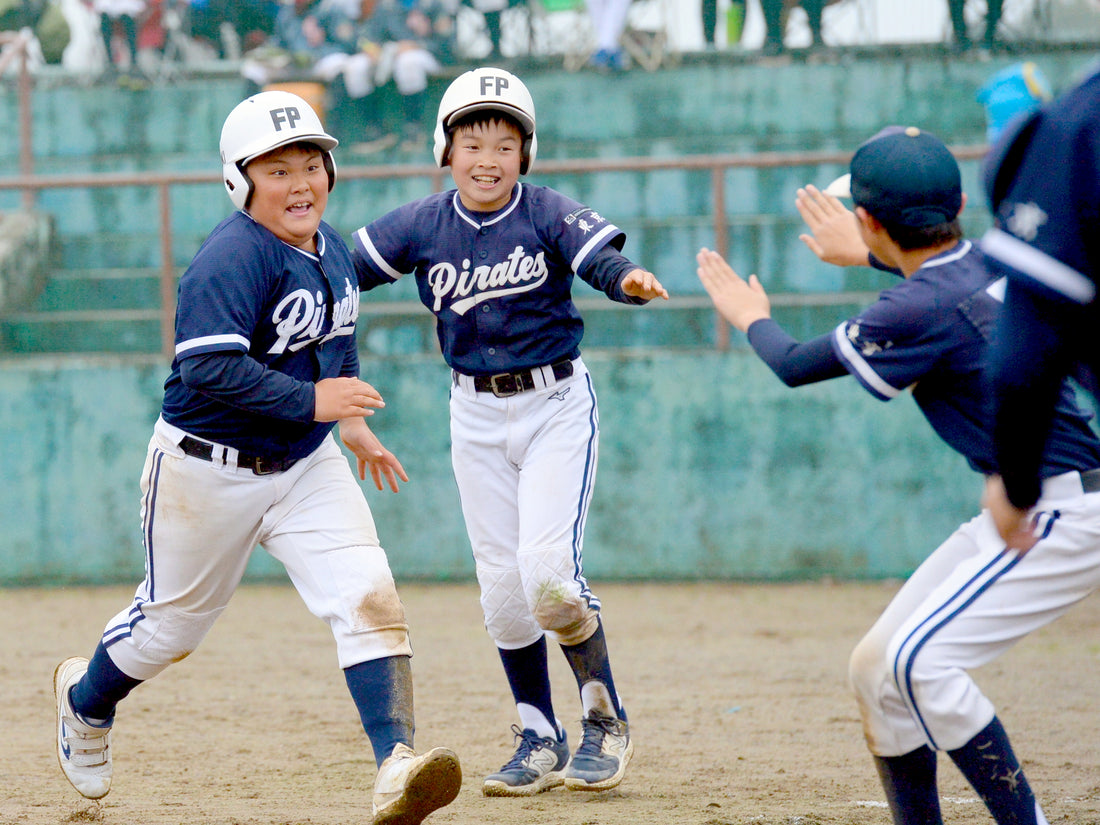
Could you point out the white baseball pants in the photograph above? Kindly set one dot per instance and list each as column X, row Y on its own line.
column 201, row 521
column 525, row 467
column 969, row 602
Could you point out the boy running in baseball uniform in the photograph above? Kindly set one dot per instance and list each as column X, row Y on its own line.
column 971, row 599
column 243, row 454
column 494, row 260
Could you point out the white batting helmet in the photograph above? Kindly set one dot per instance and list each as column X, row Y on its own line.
column 264, row 122
column 486, row 88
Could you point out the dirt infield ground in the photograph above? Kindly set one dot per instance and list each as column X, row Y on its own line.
column 736, row 692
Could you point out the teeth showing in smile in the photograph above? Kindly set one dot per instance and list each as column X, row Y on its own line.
column 484, row 179
column 299, row 206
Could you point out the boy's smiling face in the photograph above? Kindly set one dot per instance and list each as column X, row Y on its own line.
column 485, row 160
column 290, row 192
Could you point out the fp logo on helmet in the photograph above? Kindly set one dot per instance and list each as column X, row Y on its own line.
column 288, row 115
column 501, row 84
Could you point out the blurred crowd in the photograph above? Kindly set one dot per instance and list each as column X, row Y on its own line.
column 349, row 51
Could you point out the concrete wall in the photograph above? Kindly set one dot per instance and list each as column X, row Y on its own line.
column 709, row 468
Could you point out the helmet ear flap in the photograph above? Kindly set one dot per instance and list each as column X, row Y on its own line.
column 330, row 168
column 527, row 156
column 239, row 185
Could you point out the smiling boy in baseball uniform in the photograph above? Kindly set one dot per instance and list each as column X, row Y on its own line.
column 242, row 454
column 494, row 260
column 929, row 336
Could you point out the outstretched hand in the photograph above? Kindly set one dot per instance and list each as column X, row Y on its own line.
column 835, row 237
column 361, row 440
column 641, row 284
column 739, row 301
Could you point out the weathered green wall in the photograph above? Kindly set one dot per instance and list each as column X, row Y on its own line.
column 709, row 468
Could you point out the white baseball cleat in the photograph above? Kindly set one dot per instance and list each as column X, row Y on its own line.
column 83, row 750
column 409, row 787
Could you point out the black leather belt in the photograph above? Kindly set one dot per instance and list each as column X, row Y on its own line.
column 256, row 463
column 505, row 384
column 1090, row 480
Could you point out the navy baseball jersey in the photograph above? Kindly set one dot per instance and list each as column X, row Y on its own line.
column 499, row 282
column 299, row 324
column 1043, row 182
column 931, row 333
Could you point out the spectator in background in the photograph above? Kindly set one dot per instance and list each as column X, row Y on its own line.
column 958, row 23
column 734, row 22
column 406, row 41
column 709, row 10
column 232, row 27
column 492, row 10
column 304, row 34
column 775, row 21
column 123, row 14
column 608, row 21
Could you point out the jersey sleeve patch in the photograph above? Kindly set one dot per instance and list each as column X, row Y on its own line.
column 589, row 231
column 854, row 348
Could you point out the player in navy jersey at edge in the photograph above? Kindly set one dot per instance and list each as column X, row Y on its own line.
column 971, row 599
column 243, row 454
column 494, row 260
column 1043, row 183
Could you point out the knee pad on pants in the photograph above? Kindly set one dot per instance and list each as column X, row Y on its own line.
column 507, row 619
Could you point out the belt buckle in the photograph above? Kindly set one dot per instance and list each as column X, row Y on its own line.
column 263, row 467
column 508, row 389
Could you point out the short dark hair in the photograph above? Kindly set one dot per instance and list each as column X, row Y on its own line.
column 921, row 237
column 483, row 117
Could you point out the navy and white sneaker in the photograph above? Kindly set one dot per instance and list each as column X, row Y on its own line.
column 83, row 749
column 538, row 765
column 605, row 750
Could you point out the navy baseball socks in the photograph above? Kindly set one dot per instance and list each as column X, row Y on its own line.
column 988, row 764
column 407, row 786
column 86, row 693
column 605, row 750
column 910, row 785
column 542, row 751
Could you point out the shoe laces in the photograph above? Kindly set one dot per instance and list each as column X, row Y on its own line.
column 596, row 727
column 529, row 742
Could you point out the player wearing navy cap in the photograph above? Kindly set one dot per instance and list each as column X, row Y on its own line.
column 929, row 336
column 1043, row 182
column 494, row 260
column 243, row 454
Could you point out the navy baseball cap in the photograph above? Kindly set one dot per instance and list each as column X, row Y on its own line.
column 904, row 176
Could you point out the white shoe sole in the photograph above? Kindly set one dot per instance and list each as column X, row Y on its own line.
column 434, row 784
column 546, row 782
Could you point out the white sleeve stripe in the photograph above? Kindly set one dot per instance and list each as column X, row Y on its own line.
column 368, row 245
column 208, row 340
column 865, row 373
column 610, row 229
column 1034, row 263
